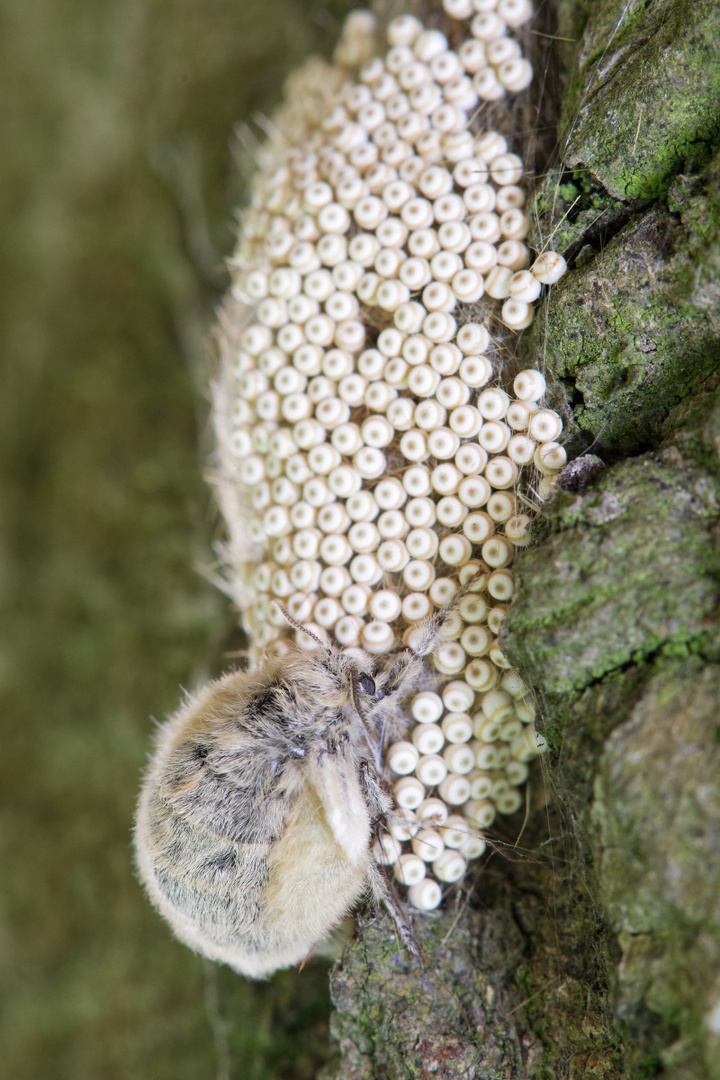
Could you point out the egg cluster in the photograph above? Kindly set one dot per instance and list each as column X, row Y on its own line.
column 370, row 460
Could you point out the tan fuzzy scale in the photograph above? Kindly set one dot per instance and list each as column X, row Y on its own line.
column 370, row 457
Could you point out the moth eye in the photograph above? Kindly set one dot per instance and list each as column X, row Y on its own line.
column 366, row 683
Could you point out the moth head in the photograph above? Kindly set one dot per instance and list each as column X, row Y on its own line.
column 366, row 682
column 371, row 685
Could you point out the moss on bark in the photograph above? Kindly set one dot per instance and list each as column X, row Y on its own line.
column 635, row 328
column 622, row 642
column 643, row 97
column 655, row 824
column 628, row 572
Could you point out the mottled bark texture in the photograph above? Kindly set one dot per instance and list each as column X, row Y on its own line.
column 593, row 950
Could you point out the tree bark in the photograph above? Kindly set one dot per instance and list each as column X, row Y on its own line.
column 591, row 946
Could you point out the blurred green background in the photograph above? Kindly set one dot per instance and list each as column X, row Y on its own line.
column 117, row 185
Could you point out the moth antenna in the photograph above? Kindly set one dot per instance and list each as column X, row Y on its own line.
column 434, row 624
column 299, row 626
column 381, row 739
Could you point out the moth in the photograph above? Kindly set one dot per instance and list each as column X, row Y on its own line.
column 257, row 812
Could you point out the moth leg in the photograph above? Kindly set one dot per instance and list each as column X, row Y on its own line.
column 432, row 627
column 393, row 818
column 383, row 893
column 377, row 799
column 406, row 667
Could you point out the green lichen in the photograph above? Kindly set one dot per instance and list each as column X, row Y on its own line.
column 643, row 102
column 636, row 328
column 615, row 582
